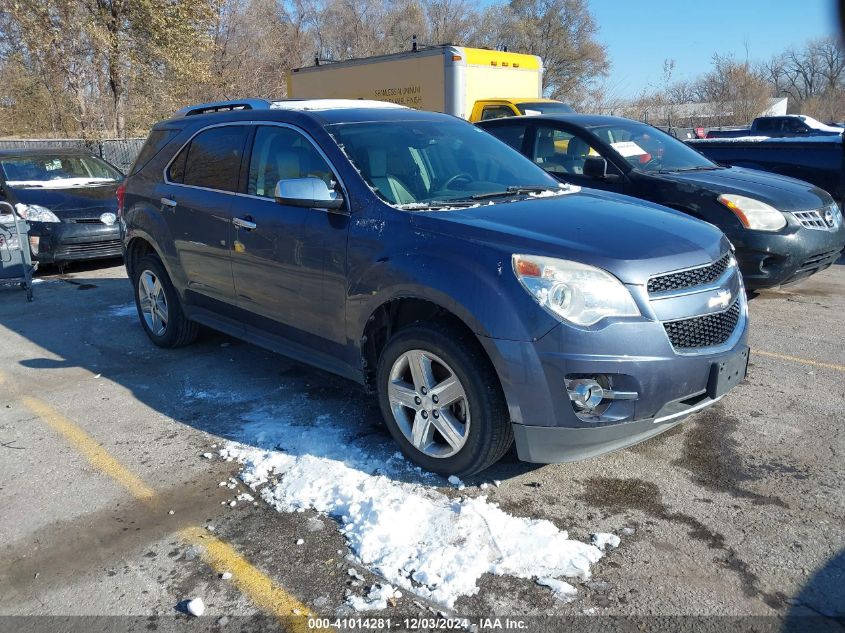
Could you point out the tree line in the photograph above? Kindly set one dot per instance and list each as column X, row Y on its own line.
column 811, row 76
column 111, row 68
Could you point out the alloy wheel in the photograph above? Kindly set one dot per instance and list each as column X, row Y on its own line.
column 153, row 302
column 429, row 403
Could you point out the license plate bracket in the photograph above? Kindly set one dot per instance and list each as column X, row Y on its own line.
column 725, row 375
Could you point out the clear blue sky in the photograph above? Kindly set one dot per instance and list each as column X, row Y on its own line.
column 640, row 34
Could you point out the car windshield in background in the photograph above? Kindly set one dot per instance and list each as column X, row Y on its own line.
column 426, row 164
column 648, row 149
column 57, row 171
column 544, row 108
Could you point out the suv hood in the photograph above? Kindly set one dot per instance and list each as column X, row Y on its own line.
column 782, row 192
column 630, row 238
column 62, row 201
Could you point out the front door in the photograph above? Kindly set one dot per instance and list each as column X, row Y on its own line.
column 289, row 262
column 563, row 154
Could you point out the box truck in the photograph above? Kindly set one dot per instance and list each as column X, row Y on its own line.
column 471, row 83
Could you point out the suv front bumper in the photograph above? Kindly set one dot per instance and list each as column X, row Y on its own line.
column 636, row 356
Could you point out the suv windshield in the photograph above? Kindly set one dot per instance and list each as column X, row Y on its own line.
column 430, row 163
column 57, row 171
column 544, row 107
column 648, row 149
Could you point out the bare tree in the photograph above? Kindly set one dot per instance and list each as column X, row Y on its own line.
column 563, row 33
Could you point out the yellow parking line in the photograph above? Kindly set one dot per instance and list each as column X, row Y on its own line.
column 220, row 556
column 264, row 593
column 798, row 359
column 85, row 444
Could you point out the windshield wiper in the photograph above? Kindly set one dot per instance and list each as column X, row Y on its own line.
column 680, row 169
column 436, row 204
column 512, row 190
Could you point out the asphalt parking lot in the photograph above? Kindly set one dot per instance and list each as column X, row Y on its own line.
column 107, row 498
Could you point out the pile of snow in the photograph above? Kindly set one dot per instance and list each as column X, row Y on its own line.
column 410, row 534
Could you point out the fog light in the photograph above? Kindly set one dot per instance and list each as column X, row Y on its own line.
column 586, row 394
column 33, row 243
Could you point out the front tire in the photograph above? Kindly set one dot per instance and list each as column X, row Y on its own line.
column 159, row 307
column 441, row 399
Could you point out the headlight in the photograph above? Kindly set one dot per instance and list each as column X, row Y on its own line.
column 753, row 214
column 577, row 293
column 36, row 213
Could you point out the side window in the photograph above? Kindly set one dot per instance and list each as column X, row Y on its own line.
column 495, row 112
column 794, row 126
column 560, row 152
column 154, row 144
column 176, row 172
column 213, row 159
column 513, row 135
column 766, row 125
column 280, row 153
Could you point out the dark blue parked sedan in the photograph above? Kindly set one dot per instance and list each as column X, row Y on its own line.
column 68, row 199
column 784, row 230
column 481, row 300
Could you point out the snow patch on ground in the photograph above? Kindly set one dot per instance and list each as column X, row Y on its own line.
column 123, row 311
column 411, row 534
column 376, row 598
column 603, row 540
column 560, row 588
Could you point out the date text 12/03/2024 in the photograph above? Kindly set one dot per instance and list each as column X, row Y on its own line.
column 417, row 624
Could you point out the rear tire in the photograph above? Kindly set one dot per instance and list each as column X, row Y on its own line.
column 442, row 401
column 159, row 307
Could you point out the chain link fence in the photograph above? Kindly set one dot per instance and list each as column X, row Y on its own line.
column 120, row 152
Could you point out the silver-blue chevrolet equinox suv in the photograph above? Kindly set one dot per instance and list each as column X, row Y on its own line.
column 480, row 299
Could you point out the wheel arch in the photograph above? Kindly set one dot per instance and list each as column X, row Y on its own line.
column 396, row 314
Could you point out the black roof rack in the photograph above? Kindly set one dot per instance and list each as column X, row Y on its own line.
column 224, row 106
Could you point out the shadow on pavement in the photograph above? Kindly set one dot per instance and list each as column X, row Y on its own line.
column 215, row 385
column 821, row 601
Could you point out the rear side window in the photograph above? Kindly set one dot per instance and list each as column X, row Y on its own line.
column 212, row 159
column 155, row 143
column 495, row 112
column 513, row 135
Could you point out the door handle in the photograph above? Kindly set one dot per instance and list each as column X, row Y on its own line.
column 244, row 223
column 169, row 202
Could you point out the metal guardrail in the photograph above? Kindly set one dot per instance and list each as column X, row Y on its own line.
column 120, row 152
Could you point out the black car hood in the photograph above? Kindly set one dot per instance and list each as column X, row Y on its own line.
column 631, row 238
column 67, row 201
column 782, row 192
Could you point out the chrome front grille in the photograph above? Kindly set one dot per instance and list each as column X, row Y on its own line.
column 704, row 331
column 691, row 277
column 824, row 219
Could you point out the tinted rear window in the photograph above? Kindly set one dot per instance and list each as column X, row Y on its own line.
column 213, row 158
column 155, row 143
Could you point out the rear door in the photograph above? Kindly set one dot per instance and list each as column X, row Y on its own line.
column 196, row 204
column 289, row 262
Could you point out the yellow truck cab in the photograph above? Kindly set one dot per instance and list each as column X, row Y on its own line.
column 472, row 83
column 487, row 109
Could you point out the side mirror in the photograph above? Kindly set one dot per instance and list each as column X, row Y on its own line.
column 595, row 167
column 6, row 209
column 307, row 192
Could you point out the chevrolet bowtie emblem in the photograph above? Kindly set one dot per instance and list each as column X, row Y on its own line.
column 721, row 300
